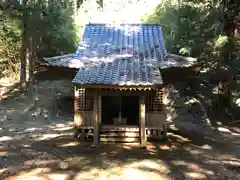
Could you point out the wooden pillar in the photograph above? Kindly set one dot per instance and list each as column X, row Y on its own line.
column 78, row 116
column 100, row 109
column 96, row 119
column 164, row 104
column 142, row 118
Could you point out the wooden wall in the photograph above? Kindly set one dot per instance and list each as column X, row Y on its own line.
column 155, row 119
column 152, row 119
column 85, row 117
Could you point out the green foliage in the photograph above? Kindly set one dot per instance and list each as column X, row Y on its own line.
column 57, row 30
column 99, row 2
column 185, row 51
column 10, row 36
column 221, row 41
column 187, row 25
column 50, row 25
column 205, row 29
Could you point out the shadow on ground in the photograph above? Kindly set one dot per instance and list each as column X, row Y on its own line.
column 48, row 151
column 43, row 147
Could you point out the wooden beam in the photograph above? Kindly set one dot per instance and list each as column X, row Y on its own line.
column 111, row 86
column 142, row 118
column 78, row 116
column 96, row 133
column 128, row 93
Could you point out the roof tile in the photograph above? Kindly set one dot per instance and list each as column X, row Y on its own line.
column 124, row 55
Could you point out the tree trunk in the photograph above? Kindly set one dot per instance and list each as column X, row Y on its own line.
column 23, row 54
column 31, row 61
column 226, row 54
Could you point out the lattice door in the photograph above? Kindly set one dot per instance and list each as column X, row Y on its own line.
column 154, row 101
column 85, row 101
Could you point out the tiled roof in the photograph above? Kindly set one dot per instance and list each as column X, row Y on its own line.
column 101, row 40
column 120, row 55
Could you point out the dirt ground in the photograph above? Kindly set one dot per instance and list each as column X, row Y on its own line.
column 36, row 142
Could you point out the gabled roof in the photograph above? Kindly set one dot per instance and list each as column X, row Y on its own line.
column 101, row 40
column 126, row 55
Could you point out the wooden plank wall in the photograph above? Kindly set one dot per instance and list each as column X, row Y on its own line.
column 85, row 118
column 81, row 118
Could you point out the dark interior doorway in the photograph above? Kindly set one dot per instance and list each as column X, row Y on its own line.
column 125, row 106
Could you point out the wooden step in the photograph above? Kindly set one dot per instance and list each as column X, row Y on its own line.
column 119, row 139
column 119, row 134
column 123, row 129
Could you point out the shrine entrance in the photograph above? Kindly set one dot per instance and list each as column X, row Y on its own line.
column 120, row 110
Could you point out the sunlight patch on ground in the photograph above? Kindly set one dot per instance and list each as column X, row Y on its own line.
column 40, row 162
column 173, row 127
column 195, row 175
column 233, row 131
column 44, row 137
column 32, row 129
column 71, row 144
column 3, row 153
column 26, row 145
column 179, row 138
column 232, row 162
column 5, row 138
column 235, row 134
column 142, row 170
column 223, row 129
column 133, row 173
column 164, row 147
column 157, row 165
column 206, row 146
column 60, row 125
column 2, row 170
column 236, row 129
column 58, row 176
column 35, row 172
column 62, row 128
column 126, row 147
column 90, row 174
column 29, row 177
column 47, row 137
